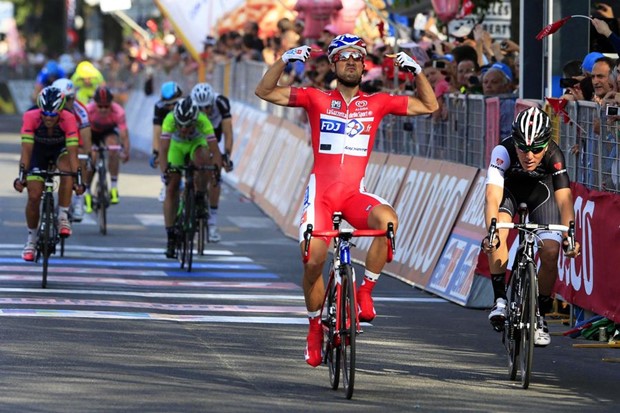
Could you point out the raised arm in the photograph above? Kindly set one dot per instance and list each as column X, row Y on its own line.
column 425, row 102
column 268, row 89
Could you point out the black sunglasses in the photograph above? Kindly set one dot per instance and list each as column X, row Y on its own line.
column 534, row 149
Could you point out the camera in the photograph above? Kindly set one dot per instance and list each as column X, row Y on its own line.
column 567, row 82
column 611, row 111
column 439, row 64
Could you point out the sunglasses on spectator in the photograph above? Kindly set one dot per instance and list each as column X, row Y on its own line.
column 49, row 114
column 534, row 149
column 343, row 56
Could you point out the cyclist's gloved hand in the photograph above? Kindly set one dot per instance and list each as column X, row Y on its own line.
column 575, row 252
column 154, row 160
column 228, row 163
column 300, row 53
column 407, row 62
column 20, row 182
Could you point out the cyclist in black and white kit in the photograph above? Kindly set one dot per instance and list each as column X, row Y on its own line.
column 170, row 95
column 217, row 109
column 528, row 167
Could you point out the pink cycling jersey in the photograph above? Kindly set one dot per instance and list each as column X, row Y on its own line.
column 342, row 139
column 106, row 120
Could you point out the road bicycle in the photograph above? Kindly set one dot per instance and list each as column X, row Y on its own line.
column 523, row 315
column 48, row 236
column 339, row 314
column 101, row 200
column 192, row 221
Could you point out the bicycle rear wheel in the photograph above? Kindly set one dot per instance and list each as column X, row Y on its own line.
column 102, row 201
column 348, row 330
column 190, row 229
column 46, row 235
column 528, row 323
column 332, row 350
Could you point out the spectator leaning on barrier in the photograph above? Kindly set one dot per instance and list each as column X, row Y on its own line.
column 334, row 116
column 497, row 81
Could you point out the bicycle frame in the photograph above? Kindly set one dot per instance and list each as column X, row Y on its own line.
column 339, row 313
column 523, row 313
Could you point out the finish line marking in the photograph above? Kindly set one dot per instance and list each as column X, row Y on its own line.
column 16, row 312
column 133, row 264
column 158, row 251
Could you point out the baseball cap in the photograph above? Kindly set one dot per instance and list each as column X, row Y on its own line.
column 503, row 68
column 588, row 61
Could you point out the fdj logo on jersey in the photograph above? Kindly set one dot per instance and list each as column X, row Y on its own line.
column 332, row 126
column 354, row 127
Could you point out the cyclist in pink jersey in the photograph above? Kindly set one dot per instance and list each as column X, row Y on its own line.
column 344, row 122
column 49, row 134
column 108, row 126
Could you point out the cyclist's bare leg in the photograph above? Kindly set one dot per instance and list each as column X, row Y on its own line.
column 113, row 156
column 33, row 205
column 202, row 158
column 498, row 260
column 379, row 218
column 314, row 288
column 171, row 203
column 548, row 273
column 66, row 182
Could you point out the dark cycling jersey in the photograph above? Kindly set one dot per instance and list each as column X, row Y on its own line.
column 220, row 111
column 535, row 188
column 160, row 110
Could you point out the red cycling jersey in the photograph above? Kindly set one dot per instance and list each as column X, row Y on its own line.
column 342, row 139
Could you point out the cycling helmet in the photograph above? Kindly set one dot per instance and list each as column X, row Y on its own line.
column 51, row 99
column 185, row 112
column 531, row 128
column 203, row 95
column 52, row 68
column 65, row 86
column 345, row 41
column 103, row 96
column 170, row 90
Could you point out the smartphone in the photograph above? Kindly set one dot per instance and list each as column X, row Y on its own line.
column 439, row 64
column 567, row 82
column 611, row 111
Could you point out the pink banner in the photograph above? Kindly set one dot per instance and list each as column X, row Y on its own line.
column 591, row 281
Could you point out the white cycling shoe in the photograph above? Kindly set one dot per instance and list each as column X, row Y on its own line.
column 541, row 335
column 498, row 313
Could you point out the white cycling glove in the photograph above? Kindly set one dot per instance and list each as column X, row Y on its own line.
column 300, row 53
column 407, row 62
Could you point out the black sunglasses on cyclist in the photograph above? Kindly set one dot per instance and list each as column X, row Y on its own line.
column 534, row 149
column 344, row 56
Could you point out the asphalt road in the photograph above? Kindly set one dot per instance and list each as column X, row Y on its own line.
column 122, row 329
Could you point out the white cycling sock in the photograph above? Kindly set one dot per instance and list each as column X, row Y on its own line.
column 32, row 235
column 213, row 216
column 371, row 276
column 63, row 213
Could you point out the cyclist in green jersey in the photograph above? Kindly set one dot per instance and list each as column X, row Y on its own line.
column 186, row 133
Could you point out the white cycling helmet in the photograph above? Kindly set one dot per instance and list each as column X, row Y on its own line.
column 65, row 86
column 203, row 94
column 345, row 41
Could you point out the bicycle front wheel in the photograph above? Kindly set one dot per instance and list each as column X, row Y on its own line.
column 190, row 229
column 348, row 329
column 511, row 333
column 46, row 236
column 332, row 348
column 528, row 323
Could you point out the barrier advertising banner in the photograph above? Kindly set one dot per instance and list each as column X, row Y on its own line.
column 591, row 280
column 454, row 275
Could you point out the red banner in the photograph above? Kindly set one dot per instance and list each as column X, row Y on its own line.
column 591, row 281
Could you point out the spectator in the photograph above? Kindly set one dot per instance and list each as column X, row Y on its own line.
column 322, row 76
column 497, row 81
column 435, row 71
column 588, row 62
column 467, row 76
column 252, row 41
column 601, row 71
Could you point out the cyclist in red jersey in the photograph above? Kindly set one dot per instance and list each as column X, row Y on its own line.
column 49, row 134
column 108, row 126
column 344, row 122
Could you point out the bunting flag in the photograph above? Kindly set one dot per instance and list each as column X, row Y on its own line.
column 467, row 8
column 555, row 26
column 558, row 105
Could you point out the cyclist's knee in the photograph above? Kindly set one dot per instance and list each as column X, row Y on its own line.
column 381, row 215
column 549, row 252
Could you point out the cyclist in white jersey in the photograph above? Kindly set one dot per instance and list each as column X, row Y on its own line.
column 217, row 109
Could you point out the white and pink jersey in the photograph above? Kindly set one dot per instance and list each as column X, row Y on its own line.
column 105, row 120
column 81, row 114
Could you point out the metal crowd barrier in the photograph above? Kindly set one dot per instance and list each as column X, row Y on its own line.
column 474, row 125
